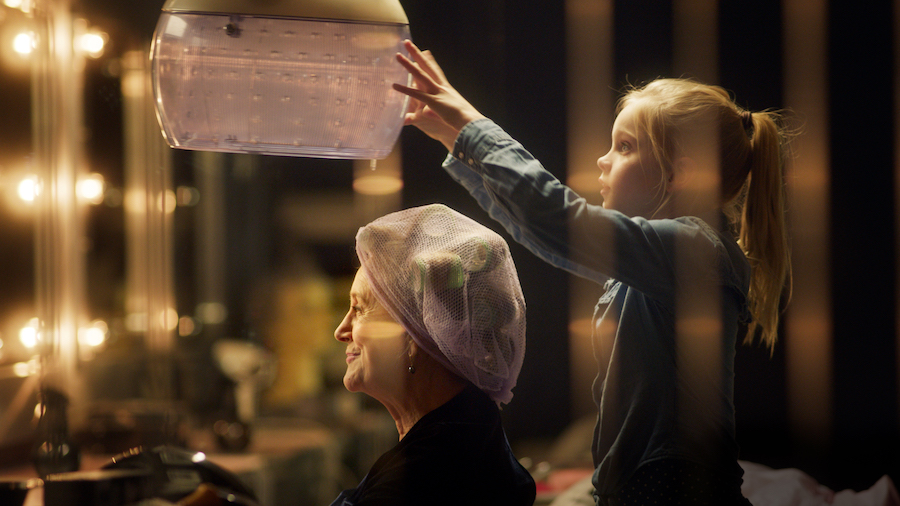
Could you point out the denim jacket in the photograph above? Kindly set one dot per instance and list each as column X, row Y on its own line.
column 649, row 407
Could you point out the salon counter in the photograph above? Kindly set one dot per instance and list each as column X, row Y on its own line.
column 286, row 462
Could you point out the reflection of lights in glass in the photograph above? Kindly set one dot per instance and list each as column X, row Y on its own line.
column 169, row 319
column 198, row 457
column 584, row 182
column 377, row 185
column 92, row 43
column 23, row 369
column 24, row 43
column 91, row 188
column 133, row 85
column 211, row 312
column 166, row 201
column 94, row 335
column 135, row 201
column 30, row 333
column 29, row 189
column 136, row 322
column 187, row 196
column 113, row 197
column 188, row 326
column 22, row 5
column 381, row 179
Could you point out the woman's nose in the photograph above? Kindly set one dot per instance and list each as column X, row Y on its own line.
column 342, row 332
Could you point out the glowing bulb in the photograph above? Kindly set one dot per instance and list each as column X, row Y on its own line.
column 22, row 369
column 166, row 201
column 29, row 335
column 93, row 43
column 169, row 319
column 24, row 43
column 91, row 188
column 29, row 189
column 186, row 326
column 23, row 5
column 95, row 335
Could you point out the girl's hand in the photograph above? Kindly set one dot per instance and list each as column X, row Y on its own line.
column 435, row 108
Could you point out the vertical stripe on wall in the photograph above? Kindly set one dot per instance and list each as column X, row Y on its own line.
column 590, row 114
column 808, row 324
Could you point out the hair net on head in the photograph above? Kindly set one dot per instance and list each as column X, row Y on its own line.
column 452, row 284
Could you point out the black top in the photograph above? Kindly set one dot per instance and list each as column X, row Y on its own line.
column 456, row 454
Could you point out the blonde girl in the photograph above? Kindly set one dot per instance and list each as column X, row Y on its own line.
column 692, row 198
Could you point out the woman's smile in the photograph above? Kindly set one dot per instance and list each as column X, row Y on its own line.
column 377, row 346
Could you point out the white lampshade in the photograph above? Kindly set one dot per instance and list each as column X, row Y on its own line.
column 282, row 77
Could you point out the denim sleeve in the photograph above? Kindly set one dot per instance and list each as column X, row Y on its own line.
column 542, row 214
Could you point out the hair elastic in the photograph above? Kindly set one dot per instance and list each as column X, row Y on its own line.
column 747, row 120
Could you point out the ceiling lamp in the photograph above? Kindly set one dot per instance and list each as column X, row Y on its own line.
column 282, row 77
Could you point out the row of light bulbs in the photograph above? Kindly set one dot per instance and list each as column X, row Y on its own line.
column 95, row 334
column 90, row 188
column 88, row 41
column 91, row 43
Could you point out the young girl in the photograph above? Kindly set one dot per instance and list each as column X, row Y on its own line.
column 686, row 167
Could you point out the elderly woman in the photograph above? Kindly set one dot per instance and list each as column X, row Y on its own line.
column 436, row 333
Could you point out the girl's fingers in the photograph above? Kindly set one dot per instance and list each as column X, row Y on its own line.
column 412, row 67
column 435, row 68
column 409, row 65
column 423, row 81
column 424, row 59
column 412, row 92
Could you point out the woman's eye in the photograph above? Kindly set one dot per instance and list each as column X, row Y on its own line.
column 624, row 147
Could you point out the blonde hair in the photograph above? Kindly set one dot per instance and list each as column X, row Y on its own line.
column 673, row 115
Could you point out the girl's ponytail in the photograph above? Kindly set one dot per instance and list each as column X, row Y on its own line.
column 752, row 148
column 763, row 232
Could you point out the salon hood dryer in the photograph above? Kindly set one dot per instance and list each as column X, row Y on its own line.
column 282, row 77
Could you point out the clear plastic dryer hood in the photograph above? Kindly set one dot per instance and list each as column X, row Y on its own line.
column 281, row 77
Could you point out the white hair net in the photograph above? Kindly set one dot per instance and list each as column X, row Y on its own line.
column 452, row 284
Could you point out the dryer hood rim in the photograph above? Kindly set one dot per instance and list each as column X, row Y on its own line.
column 366, row 11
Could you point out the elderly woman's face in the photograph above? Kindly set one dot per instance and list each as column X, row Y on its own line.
column 377, row 345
